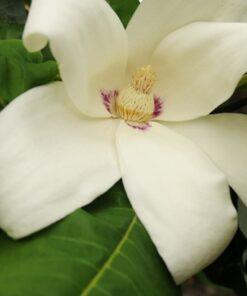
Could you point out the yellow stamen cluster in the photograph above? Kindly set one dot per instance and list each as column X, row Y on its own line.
column 135, row 103
column 144, row 79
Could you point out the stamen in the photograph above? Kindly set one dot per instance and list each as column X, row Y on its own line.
column 144, row 79
column 135, row 103
column 134, row 106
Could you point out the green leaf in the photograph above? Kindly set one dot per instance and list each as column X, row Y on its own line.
column 124, row 9
column 21, row 70
column 11, row 31
column 12, row 11
column 242, row 216
column 100, row 250
column 12, row 19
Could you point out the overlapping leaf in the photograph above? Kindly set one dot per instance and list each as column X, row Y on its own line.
column 12, row 18
column 12, row 11
column 21, row 70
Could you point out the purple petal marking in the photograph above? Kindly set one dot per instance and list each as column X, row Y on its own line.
column 158, row 106
column 108, row 99
column 139, row 126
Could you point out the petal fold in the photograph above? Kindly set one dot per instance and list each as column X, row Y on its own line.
column 198, row 68
column 52, row 160
column 224, row 138
column 181, row 198
column 88, row 41
column 155, row 19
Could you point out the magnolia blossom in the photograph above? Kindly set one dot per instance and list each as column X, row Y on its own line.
column 132, row 104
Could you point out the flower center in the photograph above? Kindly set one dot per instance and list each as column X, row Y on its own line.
column 135, row 103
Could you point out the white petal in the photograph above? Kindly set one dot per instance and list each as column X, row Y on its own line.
column 89, row 43
column 224, row 138
column 180, row 196
column 52, row 160
column 154, row 19
column 199, row 67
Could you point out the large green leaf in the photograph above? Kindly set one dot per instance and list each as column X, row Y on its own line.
column 21, row 70
column 12, row 18
column 100, row 250
column 124, row 9
column 11, row 31
column 12, row 11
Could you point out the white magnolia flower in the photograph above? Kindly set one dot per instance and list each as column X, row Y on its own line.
column 134, row 105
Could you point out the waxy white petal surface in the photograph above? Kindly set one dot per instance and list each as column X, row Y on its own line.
column 89, row 43
column 52, row 160
column 224, row 138
column 198, row 68
column 155, row 19
column 180, row 196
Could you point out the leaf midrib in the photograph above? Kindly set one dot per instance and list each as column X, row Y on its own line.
column 110, row 259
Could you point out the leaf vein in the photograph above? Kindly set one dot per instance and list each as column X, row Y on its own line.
column 110, row 259
column 81, row 242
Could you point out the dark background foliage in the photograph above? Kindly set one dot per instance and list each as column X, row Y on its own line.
column 51, row 262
